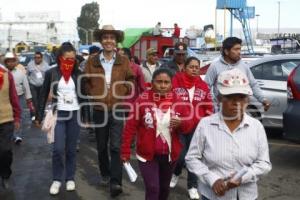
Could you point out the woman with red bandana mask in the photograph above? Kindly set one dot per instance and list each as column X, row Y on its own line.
column 63, row 81
column 192, row 89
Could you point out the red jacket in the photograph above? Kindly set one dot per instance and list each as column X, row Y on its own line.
column 176, row 32
column 139, row 84
column 202, row 104
column 141, row 122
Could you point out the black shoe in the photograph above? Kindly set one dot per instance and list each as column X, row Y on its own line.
column 115, row 190
column 5, row 183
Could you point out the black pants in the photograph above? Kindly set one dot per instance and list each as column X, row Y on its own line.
column 192, row 180
column 111, row 127
column 6, row 155
column 36, row 95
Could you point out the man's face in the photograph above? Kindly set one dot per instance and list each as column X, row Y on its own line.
column 152, row 58
column 108, row 42
column 180, row 58
column 11, row 63
column 234, row 53
column 38, row 59
column 234, row 105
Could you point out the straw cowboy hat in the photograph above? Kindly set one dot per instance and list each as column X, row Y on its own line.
column 109, row 29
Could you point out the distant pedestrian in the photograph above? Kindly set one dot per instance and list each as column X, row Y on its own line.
column 139, row 84
column 10, row 113
column 36, row 70
column 229, row 150
column 23, row 91
column 157, row 120
column 63, row 82
column 179, row 57
column 150, row 64
column 93, row 51
column 231, row 59
column 194, row 91
column 176, row 33
column 157, row 31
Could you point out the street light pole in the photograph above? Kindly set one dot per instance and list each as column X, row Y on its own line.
column 278, row 29
column 257, row 15
column 86, row 34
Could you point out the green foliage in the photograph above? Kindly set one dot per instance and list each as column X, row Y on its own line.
column 88, row 21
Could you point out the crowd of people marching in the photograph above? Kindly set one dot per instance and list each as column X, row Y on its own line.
column 176, row 119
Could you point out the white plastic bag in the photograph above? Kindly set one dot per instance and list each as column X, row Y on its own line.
column 49, row 125
column 130, row 171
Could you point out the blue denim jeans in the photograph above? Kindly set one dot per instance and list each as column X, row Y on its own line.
column 25, row 117
column 64, row 147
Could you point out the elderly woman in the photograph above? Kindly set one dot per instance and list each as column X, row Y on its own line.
column 157, row 120
column 194, row 91
column 229, row 149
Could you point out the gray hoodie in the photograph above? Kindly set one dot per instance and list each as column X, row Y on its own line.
column 36, row 73
column 220, row 65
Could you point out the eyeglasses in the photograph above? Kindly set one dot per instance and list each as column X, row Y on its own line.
column 37, row 57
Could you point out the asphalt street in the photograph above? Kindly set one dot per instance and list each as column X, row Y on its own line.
column 32, row 173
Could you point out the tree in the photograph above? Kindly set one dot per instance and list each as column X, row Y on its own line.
column 88, row 21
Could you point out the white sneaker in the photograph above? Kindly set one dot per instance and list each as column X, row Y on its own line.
column 193, row 193
column 54, row 189
column 70, row 186
column 174, row 181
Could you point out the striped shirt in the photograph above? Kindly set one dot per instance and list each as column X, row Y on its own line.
column 216, row 153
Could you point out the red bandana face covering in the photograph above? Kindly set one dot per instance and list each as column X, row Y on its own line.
column 1, row 78
column 66, row 67
column 188, row 80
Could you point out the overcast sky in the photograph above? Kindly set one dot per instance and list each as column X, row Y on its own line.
column 145, row 13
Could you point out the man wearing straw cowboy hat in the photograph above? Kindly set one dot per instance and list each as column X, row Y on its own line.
column 108, row 80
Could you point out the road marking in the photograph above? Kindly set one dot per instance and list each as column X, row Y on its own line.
column 284, row 144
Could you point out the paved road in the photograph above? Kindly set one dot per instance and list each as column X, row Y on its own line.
column 32, row 174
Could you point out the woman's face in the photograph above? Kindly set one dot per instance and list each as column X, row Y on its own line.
column 193, row 68
column 162, row 84
column 69, row 55
column 234, row 105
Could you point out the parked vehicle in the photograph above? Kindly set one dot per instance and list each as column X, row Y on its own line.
column 271, row 73
column 291, row 115
column 25, row 58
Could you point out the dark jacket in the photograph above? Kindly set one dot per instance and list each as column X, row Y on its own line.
column 52, row 77
column 171, row 65
column 122, row 78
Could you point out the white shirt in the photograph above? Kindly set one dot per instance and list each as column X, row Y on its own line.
column 107, row 65
column 66, row 95
column 191, row 92
column 152, row 68
column 216, row 153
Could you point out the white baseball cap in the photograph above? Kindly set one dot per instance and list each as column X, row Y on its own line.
column 85, row 51
column 233, row 82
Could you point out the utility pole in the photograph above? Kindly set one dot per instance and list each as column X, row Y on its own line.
column 278, row 28
column 257, row 15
